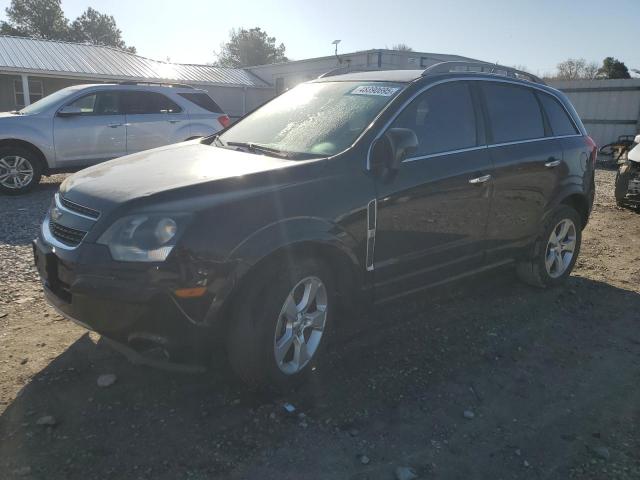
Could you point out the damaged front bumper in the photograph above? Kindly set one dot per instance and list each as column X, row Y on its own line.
column 132, row 305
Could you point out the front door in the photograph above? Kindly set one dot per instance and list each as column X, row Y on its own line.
column 431, row 218
column 153, row 120
column 96, row 133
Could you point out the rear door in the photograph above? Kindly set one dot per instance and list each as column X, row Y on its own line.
column 431, row 217
column 528, row 166
column 152, row 120
column 96, row 133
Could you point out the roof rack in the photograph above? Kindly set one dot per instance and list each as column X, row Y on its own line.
column 163, row 84
column 480, row 67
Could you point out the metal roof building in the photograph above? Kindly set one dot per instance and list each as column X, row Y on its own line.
column 32, row 68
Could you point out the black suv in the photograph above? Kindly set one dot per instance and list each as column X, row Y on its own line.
column 361, row 187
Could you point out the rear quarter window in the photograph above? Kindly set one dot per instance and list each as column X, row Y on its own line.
column 558, row 118
column 514, row 112
column 203, row 101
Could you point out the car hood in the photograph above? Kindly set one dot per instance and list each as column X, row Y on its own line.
column 159, row 170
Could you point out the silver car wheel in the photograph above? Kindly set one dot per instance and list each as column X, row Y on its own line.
column 560, row 248
column 15, row 172
column 300, row 325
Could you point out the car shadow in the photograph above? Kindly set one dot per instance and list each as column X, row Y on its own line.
column 390, row 386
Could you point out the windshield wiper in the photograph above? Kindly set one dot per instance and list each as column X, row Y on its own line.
column 256, row 147
column 16, row 112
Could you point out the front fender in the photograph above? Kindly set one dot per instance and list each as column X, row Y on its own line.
column 39, row 133
column 277, row 237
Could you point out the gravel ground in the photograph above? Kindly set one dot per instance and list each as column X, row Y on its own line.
column 483, row 380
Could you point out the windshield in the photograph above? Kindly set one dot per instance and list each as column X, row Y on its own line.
column 46, row 102
column 319, row 119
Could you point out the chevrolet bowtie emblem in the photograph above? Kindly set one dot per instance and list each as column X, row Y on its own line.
column 56, row 214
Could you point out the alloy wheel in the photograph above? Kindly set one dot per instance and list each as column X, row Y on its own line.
column 560, row 248
column 300, row 325
column 15, row 172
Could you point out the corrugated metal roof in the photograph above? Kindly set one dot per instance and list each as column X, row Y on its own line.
column 97, row 62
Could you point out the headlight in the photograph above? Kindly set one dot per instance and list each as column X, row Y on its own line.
column 143, row 238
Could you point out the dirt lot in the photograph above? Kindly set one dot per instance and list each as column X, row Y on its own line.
column 551, row 379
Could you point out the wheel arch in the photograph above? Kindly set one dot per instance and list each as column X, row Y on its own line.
column 15, row 142
column 580, row 204
column 348, row 271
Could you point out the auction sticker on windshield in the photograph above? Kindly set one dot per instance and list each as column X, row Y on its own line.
column 374, row 90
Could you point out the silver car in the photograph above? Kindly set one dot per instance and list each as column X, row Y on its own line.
column 87, row 124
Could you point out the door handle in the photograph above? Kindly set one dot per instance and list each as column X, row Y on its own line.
column 174, row 121
column 115, row 125
column 552, row 163
column 480, row 180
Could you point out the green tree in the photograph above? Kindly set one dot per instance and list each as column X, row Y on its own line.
column 45, row 19
column 36, row 18
column 613, row 68
column 247, row 48
column 98, row 29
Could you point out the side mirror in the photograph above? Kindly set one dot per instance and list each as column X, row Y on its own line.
column 637, row 139
column 391, row 149
column 69, row 111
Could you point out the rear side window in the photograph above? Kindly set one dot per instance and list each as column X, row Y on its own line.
column 138, row 103
column 443, row 118
column 203, row 101
column 514, row 112
column 559, row 120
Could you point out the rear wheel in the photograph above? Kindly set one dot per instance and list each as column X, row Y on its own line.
column 20, row 170
column 555, row 252
column 280, row 325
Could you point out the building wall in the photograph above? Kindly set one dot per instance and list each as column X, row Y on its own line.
column 608, row 108
column 49, row 85
column 289, row 74
column 238, row 101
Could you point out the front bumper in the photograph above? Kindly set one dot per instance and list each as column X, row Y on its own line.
column 131, row 304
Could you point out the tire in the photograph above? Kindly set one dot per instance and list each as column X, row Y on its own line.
column 535, row 270
column 26, row 161
column 259, row 324
column 622, row 184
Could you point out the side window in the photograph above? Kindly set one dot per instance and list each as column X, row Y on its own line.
column 99, row 103
column 514, row 112
column 137, row 102
column 443, row 118
column 560, row 122
column 203, row 101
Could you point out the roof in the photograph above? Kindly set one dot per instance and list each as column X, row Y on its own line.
column 30, row 55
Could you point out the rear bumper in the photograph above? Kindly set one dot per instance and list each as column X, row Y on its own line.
column 130, row 306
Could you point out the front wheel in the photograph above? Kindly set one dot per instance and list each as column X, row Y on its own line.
column 280, row 324
column 20, row 170
column 555, row 252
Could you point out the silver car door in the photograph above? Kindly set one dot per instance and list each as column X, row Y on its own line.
column 89, row 129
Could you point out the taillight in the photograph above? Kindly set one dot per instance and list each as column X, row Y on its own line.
column 224, row 121
column 594, row 150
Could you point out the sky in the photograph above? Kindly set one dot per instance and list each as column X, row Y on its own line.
column 535, row 34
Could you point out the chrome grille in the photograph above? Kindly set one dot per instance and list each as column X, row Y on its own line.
column 82, row 210
column 68, row 236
